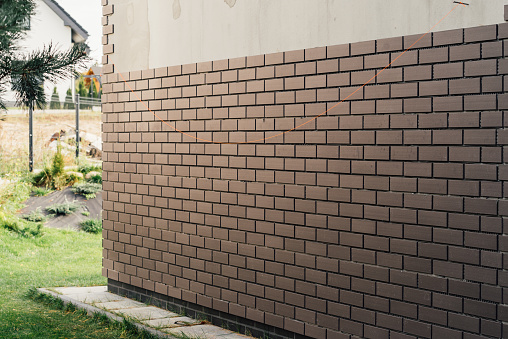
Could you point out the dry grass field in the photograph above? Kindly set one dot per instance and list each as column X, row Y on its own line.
column 14, row 137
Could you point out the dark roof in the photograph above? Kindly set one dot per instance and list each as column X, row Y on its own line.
column 68, row 20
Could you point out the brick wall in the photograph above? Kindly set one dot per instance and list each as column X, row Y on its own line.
column 385, row 217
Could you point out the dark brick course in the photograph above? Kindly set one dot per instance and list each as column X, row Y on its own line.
column 385, row 217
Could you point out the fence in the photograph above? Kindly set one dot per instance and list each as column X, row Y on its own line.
column 14, row 132
column 86, row 103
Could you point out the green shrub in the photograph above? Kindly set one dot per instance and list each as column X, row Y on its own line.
column 41, row 191
column 87, row 189
column 73, row 177
column 91, row 225
column 63, row 208
column 97, row 179
column 55, row 176
column 43, row 178
column 35, row 216
column 85, row 168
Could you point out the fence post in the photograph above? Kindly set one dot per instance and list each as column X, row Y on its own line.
column 30, row 138
column 77, row 126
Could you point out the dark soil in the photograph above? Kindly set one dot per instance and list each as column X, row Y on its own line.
column 93, row 206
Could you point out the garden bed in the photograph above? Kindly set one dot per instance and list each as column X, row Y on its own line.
column 88, row 208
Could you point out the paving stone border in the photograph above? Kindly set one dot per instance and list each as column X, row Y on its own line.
column 157, row 321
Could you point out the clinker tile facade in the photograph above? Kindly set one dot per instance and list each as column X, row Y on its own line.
column 385, row 217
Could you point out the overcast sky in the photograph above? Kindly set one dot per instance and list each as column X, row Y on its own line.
column 88, row 14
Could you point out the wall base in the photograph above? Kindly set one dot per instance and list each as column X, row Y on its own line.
column 233, row 323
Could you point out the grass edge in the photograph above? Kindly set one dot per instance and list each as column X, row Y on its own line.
column 57, row 301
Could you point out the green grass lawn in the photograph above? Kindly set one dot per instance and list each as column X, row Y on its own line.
column 51, row 259
column 58, row 258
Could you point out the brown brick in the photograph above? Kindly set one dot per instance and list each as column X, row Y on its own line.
column 423, row 41
column 317, row 81
column 447, row 137
column 389, row 44
column 315, row 53
column 492, row 84
column 364, row 77
column 404, row 90
column 377, row 60
column 417, row 105
column 468, row 188
column 351, row 93
column 363, row 107
column 480, row 102
column 434, row 55
column 492, row 49
column 366, row 47
column 448, row 37
column 306, row 68
column 503, row 101
column 274, row 58
column 294, row 56
column 481, row 33
column 390, row 75
column 482, row 67
column 450, row 70
column 447, row 104
column 306, row 96
column 285, row 70
column 418, row 73
column 463, row 154
column 328, row 66
column 351, row 64
column 404, row 58
column 389, row 106
column 340, row 79
column 431, row 88
column 337, row 51
column 465, row 52
column 294, row 83
column 465, row 86
column 328, row 94
column 481, row 171
column 377, row 92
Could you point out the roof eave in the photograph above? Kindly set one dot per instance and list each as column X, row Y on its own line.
column 68, row 20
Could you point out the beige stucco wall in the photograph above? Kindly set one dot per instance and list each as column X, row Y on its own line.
column 158, row 33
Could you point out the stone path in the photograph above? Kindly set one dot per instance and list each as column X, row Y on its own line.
column 155, row 320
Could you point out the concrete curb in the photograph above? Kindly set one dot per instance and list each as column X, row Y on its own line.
column 92, row 309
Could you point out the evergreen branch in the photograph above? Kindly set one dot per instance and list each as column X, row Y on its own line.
column 29, row 72
column 13, row 13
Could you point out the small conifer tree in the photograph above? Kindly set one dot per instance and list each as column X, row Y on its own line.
column 68, row 104
column 58, row 169
column 55, row 100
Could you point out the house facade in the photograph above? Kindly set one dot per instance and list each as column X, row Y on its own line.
column 52, row 24
column 321, row 169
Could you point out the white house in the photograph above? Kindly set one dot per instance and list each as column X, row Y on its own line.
column 52, row 24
